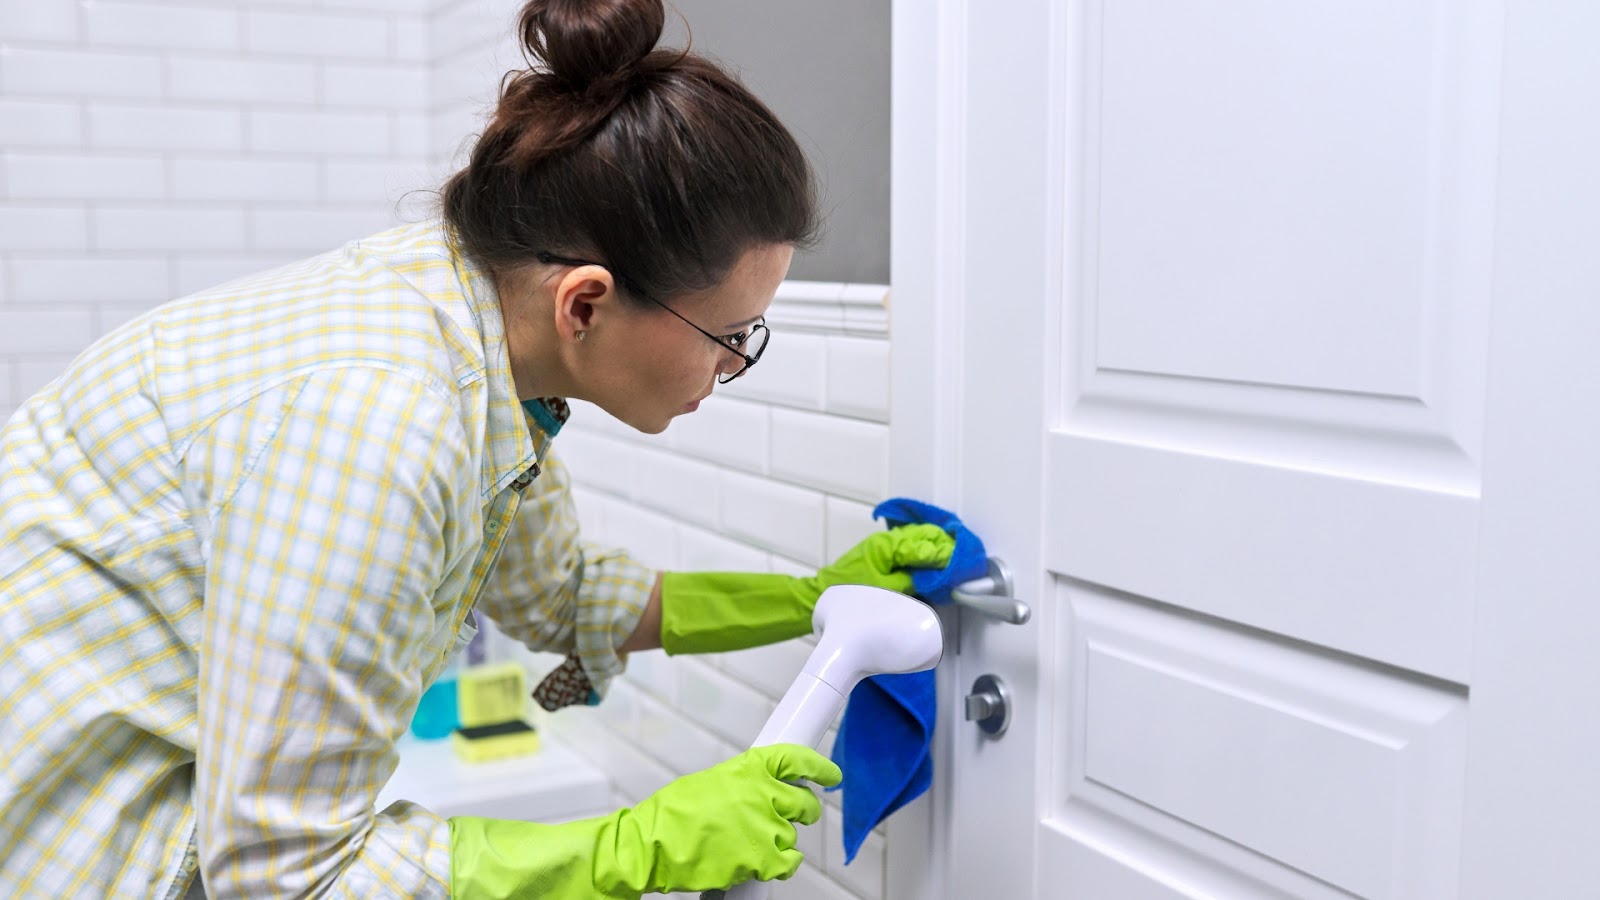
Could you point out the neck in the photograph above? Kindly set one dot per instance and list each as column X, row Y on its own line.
column 537, row 365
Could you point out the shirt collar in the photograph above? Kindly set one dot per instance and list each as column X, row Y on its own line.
column 518, row 434
column 548, row 413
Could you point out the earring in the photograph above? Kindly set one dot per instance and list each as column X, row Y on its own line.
column 581, row 334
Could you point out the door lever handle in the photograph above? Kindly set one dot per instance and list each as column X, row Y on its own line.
column 991, row 595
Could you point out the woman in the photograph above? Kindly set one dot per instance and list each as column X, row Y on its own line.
column 241, row 534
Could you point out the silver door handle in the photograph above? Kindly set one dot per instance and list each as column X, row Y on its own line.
column 991, row 595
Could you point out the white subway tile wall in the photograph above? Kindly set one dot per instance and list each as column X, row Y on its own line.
column 471, row 44
column 39, row 123
column 119, row 24
column 152, row 148
column 831, row 453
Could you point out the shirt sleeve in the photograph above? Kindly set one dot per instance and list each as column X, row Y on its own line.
column 552, row 591
column 334, row 527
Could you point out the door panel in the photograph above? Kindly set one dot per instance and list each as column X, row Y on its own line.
column 1262, row 183
column 1277, row 224
column 1310, row 769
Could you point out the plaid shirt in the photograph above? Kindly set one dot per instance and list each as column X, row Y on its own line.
column 238, row 538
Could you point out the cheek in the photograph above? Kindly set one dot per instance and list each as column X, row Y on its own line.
column 699, row 369
column 672, row 369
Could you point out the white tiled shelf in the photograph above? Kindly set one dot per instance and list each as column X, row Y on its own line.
column 552, row 785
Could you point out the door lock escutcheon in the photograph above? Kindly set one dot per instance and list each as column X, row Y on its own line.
column 989, row 705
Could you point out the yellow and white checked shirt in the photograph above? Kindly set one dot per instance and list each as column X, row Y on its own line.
column 238, row 538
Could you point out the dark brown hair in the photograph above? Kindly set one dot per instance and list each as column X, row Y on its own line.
column 656, row 163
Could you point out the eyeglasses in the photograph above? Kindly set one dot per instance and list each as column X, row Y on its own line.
column 747, row 345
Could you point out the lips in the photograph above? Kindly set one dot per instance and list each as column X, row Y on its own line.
column 694, row 404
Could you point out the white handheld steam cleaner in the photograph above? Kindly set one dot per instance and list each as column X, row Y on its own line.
column 862, row 631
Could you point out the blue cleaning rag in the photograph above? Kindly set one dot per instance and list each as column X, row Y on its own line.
column 887, row 730
column 968, row 561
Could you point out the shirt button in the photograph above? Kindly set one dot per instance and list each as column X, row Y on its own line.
column 494, row 526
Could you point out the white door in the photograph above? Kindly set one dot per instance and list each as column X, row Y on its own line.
column 1261, row 339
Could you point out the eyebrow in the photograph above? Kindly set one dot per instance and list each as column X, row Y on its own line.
column 738, row 325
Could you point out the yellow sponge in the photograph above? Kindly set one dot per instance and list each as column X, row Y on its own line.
column 489, row 742
column 493, row 693
column 493, row 701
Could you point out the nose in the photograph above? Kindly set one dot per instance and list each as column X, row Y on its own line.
column 727, row 362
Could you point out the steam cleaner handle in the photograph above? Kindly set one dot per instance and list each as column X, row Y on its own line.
column 802, row 717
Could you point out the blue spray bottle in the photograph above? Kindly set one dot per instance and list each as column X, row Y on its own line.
column 438, row 713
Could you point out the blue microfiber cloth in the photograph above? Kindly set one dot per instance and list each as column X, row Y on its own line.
column 883, row 748
column 887, row 730
column 968, row 561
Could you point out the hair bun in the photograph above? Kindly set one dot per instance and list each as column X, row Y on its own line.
column 581, row 42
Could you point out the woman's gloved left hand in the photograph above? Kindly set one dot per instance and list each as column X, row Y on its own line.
column 715, row 828
column 714, row 611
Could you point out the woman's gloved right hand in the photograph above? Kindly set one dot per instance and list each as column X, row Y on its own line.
column 704, row 612
column 726, row 825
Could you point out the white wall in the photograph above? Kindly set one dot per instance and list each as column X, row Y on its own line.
column 824, row 66
column 470, row 46
column 149, row 149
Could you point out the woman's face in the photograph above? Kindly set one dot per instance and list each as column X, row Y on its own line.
column 646, row 366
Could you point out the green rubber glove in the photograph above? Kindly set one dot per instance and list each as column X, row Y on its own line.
column 723, row 826
column 713, row 611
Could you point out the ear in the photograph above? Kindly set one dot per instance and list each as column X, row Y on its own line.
column 585, row 294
